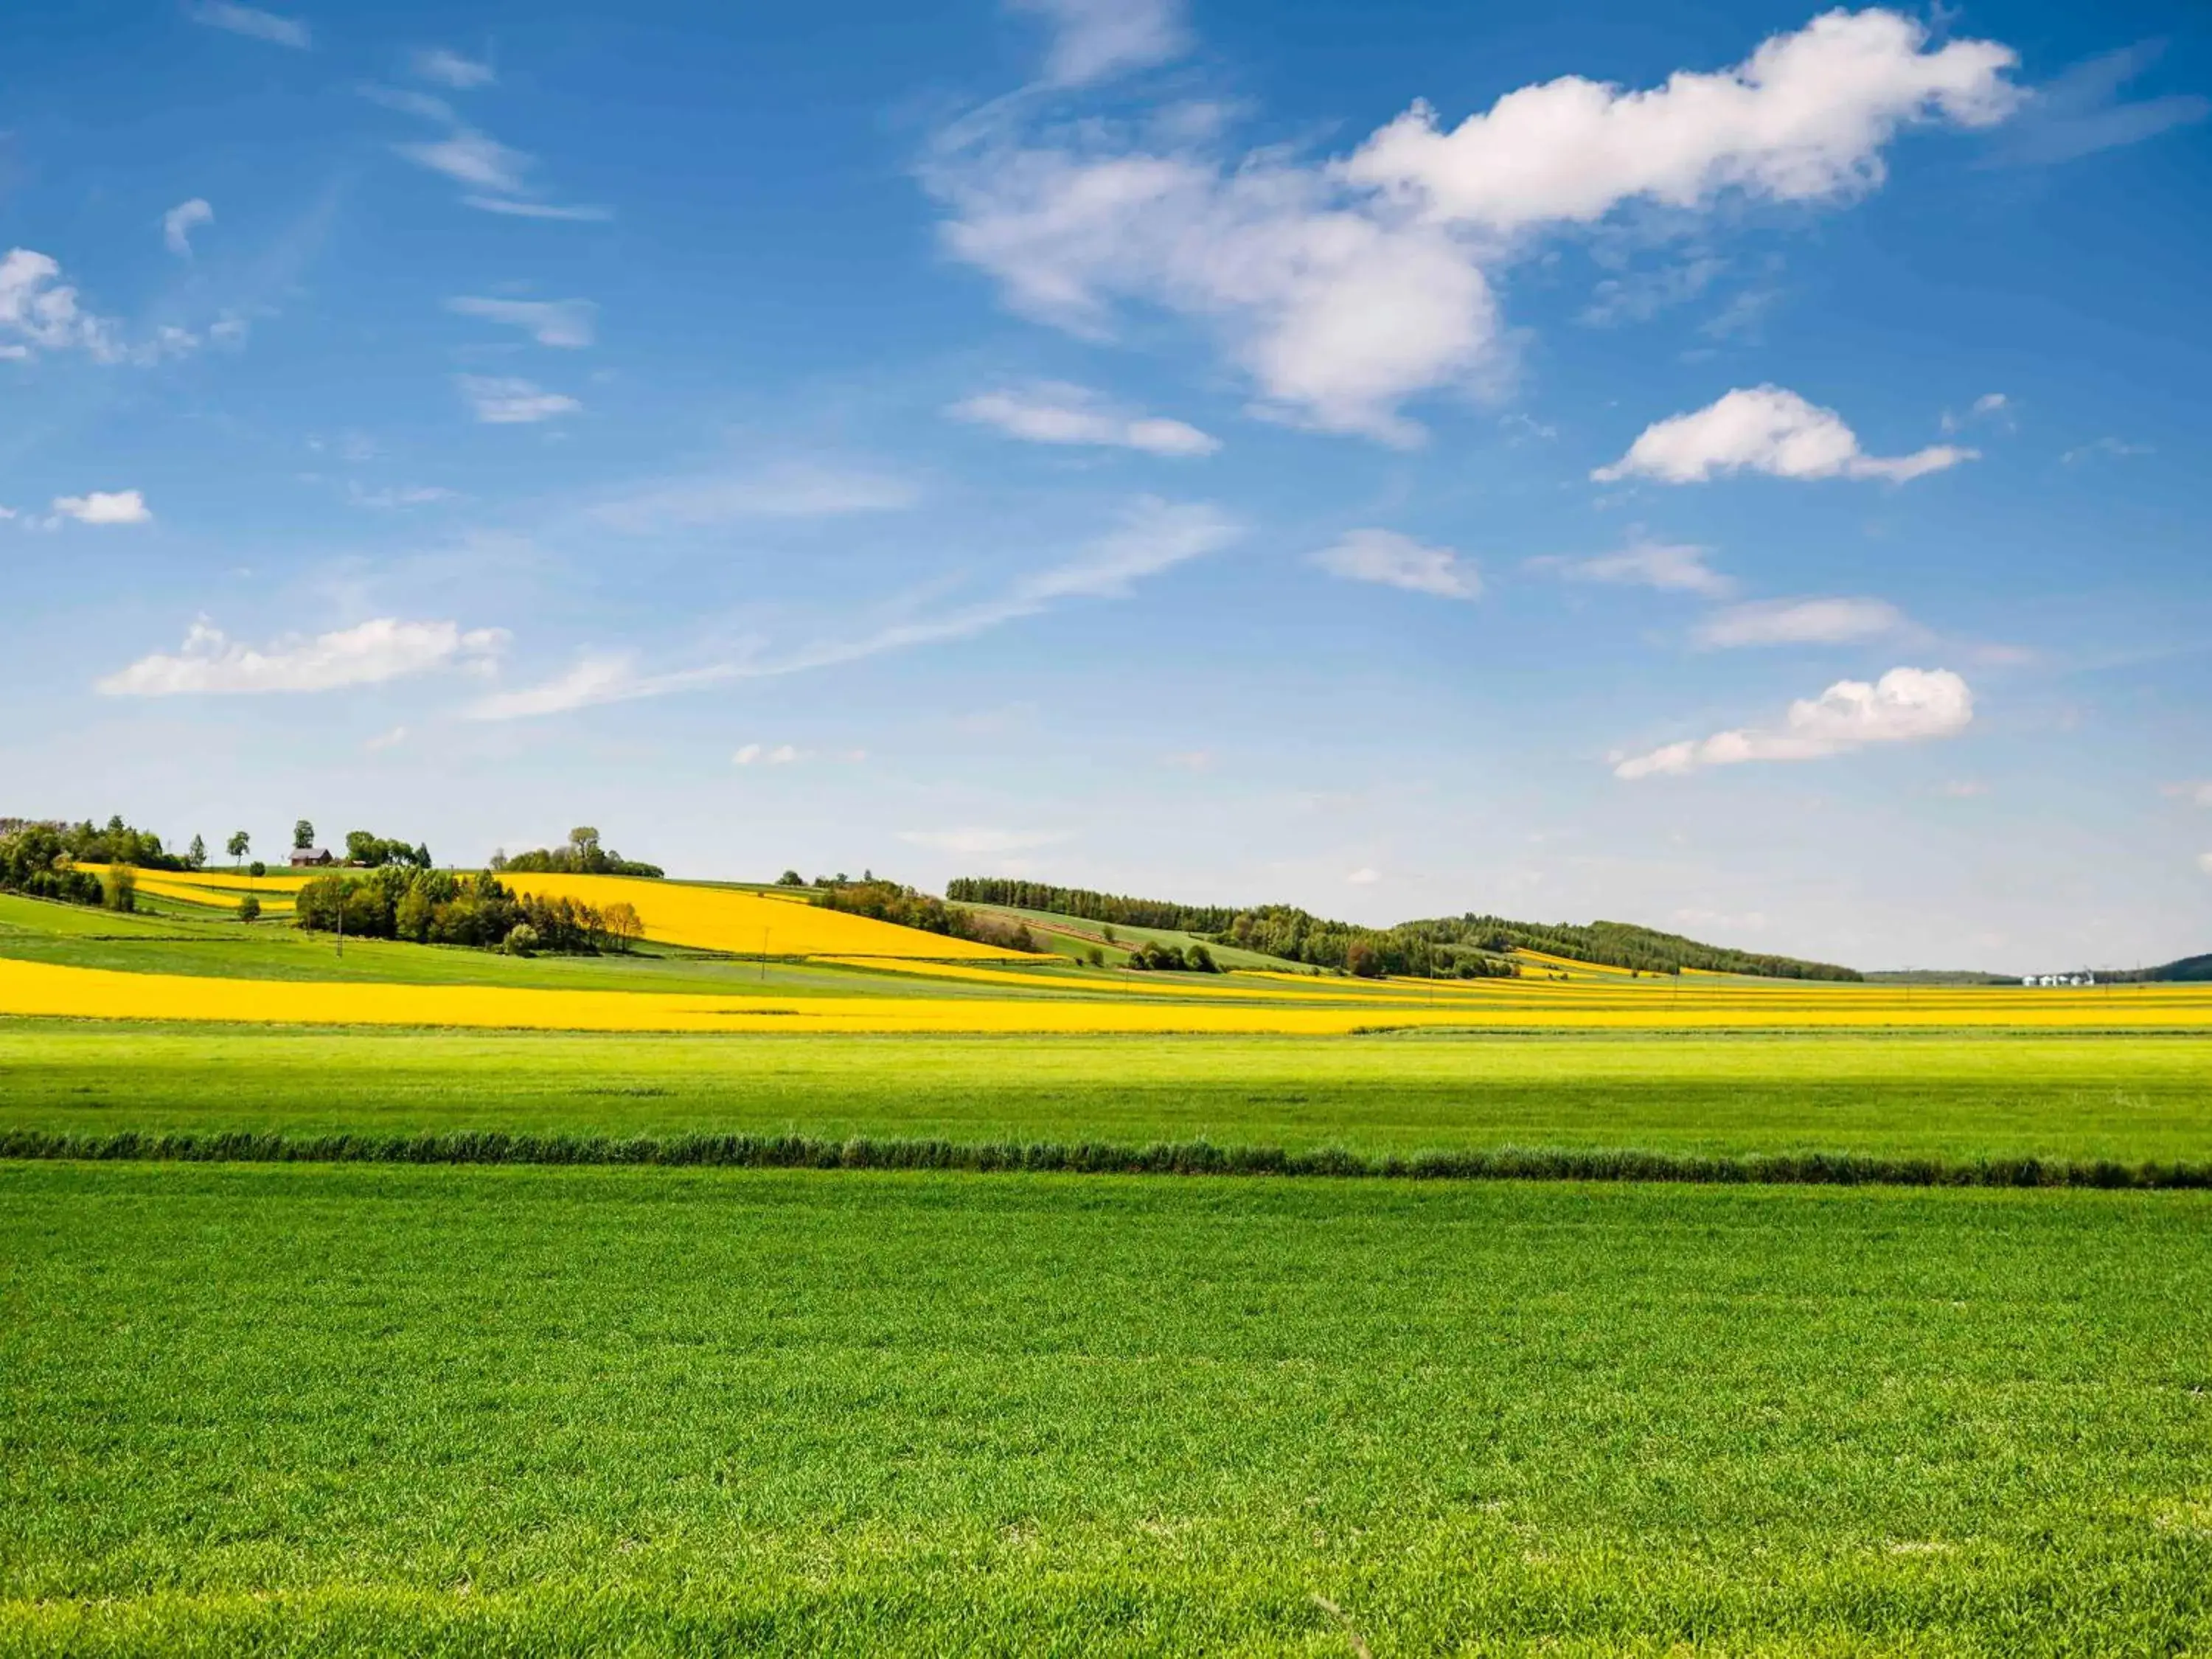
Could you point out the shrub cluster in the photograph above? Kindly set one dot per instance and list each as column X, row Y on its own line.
column 370, row 852
column 1154, row 956
column 582, row 856
column 439, row 907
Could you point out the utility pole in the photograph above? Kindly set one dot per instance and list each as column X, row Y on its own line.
column 340, row 924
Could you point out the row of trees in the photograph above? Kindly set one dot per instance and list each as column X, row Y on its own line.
column 442, row 906
column 1088, row 905
column 1467, row 947
column 39, row 859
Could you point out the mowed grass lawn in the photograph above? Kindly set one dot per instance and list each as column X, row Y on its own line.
column 1952, row 1097
column 427, row 1411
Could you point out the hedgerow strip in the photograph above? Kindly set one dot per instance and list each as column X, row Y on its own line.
column 1195, row 1157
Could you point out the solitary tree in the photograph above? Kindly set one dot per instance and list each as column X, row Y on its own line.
column 622, row 924
column 249, row 908
column 197, row 855
column 303, row 836
column 238, row 844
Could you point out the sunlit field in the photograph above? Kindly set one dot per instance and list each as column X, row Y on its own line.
column 1583, row 1313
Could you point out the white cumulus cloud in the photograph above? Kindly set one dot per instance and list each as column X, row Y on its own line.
column 548, row 322
column 503, row 400
column 1054, row 412
column 1765, row 429
column 212, row 663
column 40, row 311
column 1905, row 705
column 1365, row 876
column 1802, row 622
column 104, row 507
column 1343, row 289
column 180, row 221
column 1396, row 561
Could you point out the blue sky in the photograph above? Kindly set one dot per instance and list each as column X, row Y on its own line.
column 1741, row 471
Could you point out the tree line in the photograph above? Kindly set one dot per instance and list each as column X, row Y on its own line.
column 1467, row 946
column 39, row 857
column 444, row 907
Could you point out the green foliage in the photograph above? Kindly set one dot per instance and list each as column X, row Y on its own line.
column 249, row 908
column 887, row 901
column 1467, row 947
column 196, row 856
column 303, row 836
column 257, row 869
column 372, row 852
column 238, row 844
column 1157, row 955
column 582, row 856
column 384, row 1410
column 790, row 878
column 38, row 858
column 119, row 885
column 439, row 907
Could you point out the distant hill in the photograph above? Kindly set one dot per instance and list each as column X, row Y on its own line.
column 1466, row 944
column 2188, row 970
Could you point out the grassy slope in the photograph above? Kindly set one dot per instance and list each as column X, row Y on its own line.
column 433, row 1411
column 1956, row 1098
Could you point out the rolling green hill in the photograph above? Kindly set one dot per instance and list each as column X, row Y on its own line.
column 1467, row 946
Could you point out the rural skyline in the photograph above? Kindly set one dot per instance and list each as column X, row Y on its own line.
column 1304, row 454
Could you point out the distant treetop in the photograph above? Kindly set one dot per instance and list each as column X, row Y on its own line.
column 582, row 856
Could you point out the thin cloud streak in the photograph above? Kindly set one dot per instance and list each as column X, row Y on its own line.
column 1157, row 537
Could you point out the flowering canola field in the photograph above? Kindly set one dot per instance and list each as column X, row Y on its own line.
column 750, row 924
column 41, row 988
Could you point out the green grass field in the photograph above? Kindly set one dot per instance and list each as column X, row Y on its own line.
column 544, row 1411
column 1950, row 1097
column 391, row 1408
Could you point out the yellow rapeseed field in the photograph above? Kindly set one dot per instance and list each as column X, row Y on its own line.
column 44, row 989
column 750, row 924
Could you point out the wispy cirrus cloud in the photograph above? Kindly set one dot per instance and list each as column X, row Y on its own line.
column 1802, row 622
column 791, row 490
column 1675, row 567
column 975, row 841
column 178, row 224
column 452, row 68
column 1154, row 536
column 211, row 664
column 1905, row 705
column 496, row 178
column 1771, row 430
column 2085, row 110
column 252, row 23
column 1054, row 412
column 1390, row 560
column 1095, row 40
column 506, row 400
column 566, row 323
